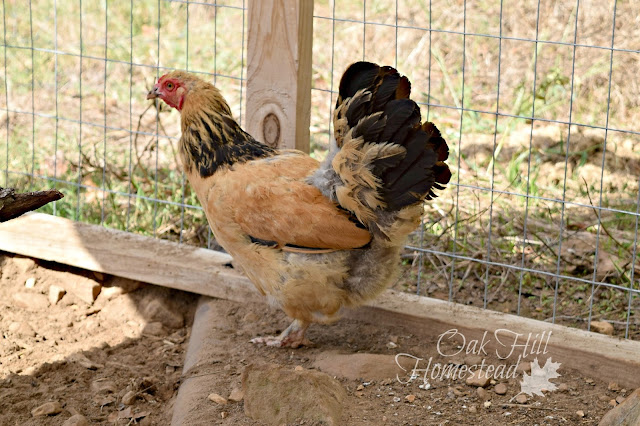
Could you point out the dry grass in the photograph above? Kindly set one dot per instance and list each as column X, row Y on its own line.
column 549, row 161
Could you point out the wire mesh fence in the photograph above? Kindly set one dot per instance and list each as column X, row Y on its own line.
column 536, row 98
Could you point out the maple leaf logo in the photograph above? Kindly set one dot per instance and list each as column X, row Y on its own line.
column 538, row 381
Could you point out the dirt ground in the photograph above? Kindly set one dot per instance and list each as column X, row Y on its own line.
column 119, row 360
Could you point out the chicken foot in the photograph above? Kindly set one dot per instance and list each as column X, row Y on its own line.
column 292, row 337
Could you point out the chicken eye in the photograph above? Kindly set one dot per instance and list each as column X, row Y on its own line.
column 170, row 86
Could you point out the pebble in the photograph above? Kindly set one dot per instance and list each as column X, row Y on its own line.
column 563, row 387
column 85, row 362
column 360, row 387
column 56, row 293
column 22, row 329
column 30, row 301
column 473, row 409
column 521, row 399
column 154, row 328
column 103, row 386
column 236, row 395
column 487, row 404
column 391, row 345
column 620, row 399
column 129, row 398
column 478, row 378
column 410, row 398
column 613, row 386
column 602, row 327
column 218, row 399
column 613, row 403
column 483, row 395
column 76, row 420
column 298, row 368
column 580, row 413
column 590, row 382
column 500, row 389
column 224, row 414
column 160, row 311
column 30, row 283
column 47, row 409
column 251, row 317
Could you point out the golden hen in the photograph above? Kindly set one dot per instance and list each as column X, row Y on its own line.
column 313, row 237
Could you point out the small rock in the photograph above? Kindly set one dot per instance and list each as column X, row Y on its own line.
column 563, row 387
column 500, row 389
column 30, row 301
column 154, row 328
column 129, row 398
column 620, row 399
column 487, row 404
column 473, row 409
column 236, row 395
column 521, row 399
column 393, row 339
column 224, row 414
column 360, row 387
column 55, row 294
column 30, row 283
column 103, row 386
column 251, row 317
column 613, row 403
column 47, row 409
column 158, row 310
column 410, row 398
column 391, row 345
column 483, row 395
column 83, row 288
column 478, row 378
column 24, row 264
column 85, row 362
column 275, row 395
column 524, row 367
column 298, row 368
column 22, row 329
column 218, row 399
column 590, row 382
column 76, row 420
column 602, row 327
column 613, row 386
column 580, row 413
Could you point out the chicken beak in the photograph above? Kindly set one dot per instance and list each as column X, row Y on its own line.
column 153, row 93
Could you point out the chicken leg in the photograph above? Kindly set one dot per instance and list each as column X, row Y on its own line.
column 292, row 337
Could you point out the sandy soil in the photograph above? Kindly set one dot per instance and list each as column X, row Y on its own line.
column 119, row 361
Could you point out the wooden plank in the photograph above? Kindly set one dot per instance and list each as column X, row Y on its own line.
column 125, row 254
column 207, row 272
column 279, row 72
column 610, row 359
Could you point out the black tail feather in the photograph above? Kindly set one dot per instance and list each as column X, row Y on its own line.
column 383, row 113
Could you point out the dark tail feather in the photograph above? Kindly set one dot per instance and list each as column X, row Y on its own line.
column 383, row 112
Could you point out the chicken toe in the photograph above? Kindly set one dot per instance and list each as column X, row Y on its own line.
column 292, row 337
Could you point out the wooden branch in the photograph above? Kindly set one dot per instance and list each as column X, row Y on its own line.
column 13, row 205
column 279, row 72
column 209, row 273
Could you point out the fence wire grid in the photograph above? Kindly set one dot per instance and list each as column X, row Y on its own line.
column 537, row 99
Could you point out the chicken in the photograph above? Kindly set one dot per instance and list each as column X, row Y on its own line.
column 313, row 237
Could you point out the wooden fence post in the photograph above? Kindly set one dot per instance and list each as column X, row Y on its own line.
column 279, row 72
